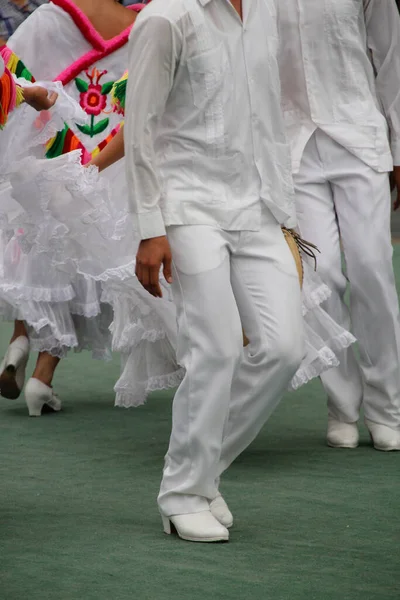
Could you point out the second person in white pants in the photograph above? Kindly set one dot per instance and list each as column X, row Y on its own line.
column 342, row 201
column 340, row 94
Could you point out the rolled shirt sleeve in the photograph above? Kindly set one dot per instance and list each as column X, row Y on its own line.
column 154, row 49
column 383, row 31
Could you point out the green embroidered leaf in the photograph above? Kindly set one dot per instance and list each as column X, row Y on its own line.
column 107, row 87
column 58, row 143
column 120, row 92
column 100, row 126
column 86, row 129
column 81, row 85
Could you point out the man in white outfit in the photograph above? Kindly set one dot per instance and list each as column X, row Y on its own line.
column 209, row 173
column 340, row 75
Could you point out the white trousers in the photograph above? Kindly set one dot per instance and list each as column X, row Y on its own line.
column 340, row 199
column 222, row 279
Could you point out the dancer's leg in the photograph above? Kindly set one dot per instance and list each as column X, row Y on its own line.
column 215, row 274
column 19, row 331
column 45, row 367
column 318, row 223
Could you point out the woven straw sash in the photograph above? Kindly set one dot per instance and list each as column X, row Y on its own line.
column 297, row 245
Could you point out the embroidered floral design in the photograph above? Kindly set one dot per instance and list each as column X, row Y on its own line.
column 118, row 94
column 93, row 100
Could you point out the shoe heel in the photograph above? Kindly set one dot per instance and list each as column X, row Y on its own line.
column 35, row 405
column 8, row 385
column 12, row 369
column 166, row 524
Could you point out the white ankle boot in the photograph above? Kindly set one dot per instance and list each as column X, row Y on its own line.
column 383, row 437
column 37, row 394
column 342, row 435
column 196, row 527
column 12, row 368
column 220, row 510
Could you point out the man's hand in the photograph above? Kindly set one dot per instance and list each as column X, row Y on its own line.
column 151, row 255
column 39, row 98
column 395, row 184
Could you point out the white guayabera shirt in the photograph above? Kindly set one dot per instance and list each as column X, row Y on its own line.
column 340, row 72
column 204, row 133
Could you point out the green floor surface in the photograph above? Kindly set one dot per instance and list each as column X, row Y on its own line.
column 78, row 515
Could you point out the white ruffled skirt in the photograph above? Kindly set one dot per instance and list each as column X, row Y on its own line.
column 62, row 309
column 76, row 223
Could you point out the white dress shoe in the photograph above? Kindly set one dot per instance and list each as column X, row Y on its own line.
column 342, row 435
column 196, row 527
column 12, row 368
column 37, row 394
column 383, row 437
column 219, row 509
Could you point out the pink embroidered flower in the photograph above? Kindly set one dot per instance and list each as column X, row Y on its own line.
column 93, row 100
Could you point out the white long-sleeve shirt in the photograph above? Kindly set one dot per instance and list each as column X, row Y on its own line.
column 204, row 133
column 340, row 72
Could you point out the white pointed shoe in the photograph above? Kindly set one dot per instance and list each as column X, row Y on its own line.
column 196, row 527
column 383, row 437
column 37, row 394
column 342, row 435
column 220, row 510
column 12, row 368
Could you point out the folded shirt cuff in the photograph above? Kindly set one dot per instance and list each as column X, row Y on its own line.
column 149, row 224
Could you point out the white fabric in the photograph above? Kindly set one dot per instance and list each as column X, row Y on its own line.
column 27, row 130
column 195, row 155
column 2, row 66
column 74, row 252
column 340, row 72
column 62, row 306
column 342, row 200
column 56, row 47
column 324, row 338
column 37, row 42
column 223, row 279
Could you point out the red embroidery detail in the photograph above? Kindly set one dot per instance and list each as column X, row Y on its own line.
column 93, row 101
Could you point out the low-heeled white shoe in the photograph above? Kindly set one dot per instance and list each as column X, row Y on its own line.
column 12, row 368
column 383, row 437
column 37, row 394
column 342, row 435
column 220, row 510
column 196, row 527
